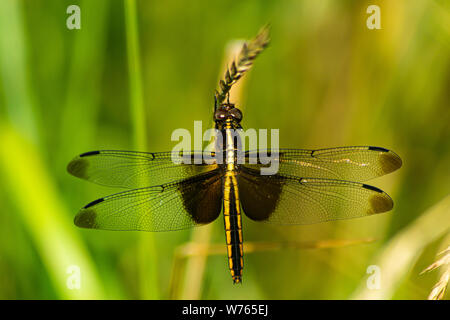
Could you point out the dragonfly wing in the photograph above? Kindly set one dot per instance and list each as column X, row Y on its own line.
column 172, row 206
column 129, row 169
column 344, row 163
column 291, row 200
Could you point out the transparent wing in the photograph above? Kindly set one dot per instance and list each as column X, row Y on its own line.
column 291, row 200
column 173, row 206
column 130, row 169
column 344, row 163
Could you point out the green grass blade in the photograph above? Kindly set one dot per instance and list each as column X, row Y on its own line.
column 34, row 192
column 147, row 246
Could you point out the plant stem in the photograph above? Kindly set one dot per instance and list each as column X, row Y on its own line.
column 148, row 274
column 135, row 77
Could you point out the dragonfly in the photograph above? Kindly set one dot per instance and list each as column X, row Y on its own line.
column 311, row 186
column 165, row 192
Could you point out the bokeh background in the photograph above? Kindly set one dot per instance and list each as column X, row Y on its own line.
column 134, row 72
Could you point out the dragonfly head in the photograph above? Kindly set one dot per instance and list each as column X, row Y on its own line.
column 227, row 113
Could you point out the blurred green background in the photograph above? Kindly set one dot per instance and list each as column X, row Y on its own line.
column 325, row 81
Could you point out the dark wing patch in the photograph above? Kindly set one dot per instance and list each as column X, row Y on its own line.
column 203, row 199
column 307, row 200
column 87, row 219
column 345, row 163
column 259, row 195
column 129, row 169
column 173, row 206
column 379, row 203
column 389, row 162
column 79, row 168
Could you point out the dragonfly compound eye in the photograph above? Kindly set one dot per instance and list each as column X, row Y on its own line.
column 220, row 114
column 236, row 114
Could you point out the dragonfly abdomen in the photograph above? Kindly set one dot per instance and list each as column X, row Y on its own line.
column 233, row 226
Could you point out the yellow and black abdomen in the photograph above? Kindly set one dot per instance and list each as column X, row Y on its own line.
column 233, row 225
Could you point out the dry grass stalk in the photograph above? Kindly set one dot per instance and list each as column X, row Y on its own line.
column 191, row 267
column 438, row 291
column 201, row 249
column 243, row 62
